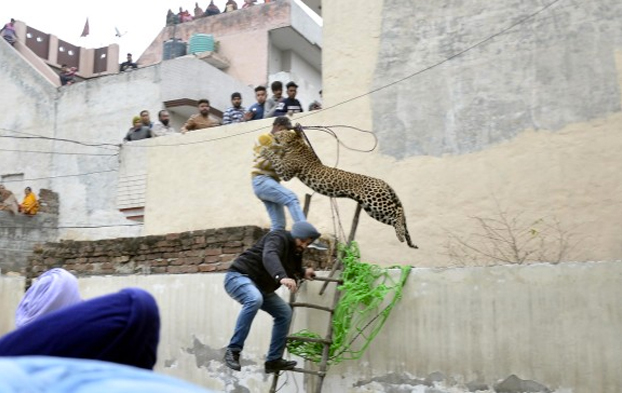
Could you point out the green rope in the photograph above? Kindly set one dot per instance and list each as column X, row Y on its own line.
column 369, row 293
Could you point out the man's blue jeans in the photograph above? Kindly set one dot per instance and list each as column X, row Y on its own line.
column 242, row 289
column 275, row 196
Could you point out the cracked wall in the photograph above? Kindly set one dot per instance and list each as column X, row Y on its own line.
column 506, row 329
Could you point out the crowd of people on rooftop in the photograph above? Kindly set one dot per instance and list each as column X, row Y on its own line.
column 264, row 107
column 212, row 9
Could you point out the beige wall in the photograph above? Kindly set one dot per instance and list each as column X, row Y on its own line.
column 569, row 175
column 557, row 325
column 11, row 292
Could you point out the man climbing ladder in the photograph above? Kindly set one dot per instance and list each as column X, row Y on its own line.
column 275, row 260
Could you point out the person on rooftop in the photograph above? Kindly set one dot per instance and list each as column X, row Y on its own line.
column 138, row 131
column 163, row 126
column 8, row 202
column 8, row 32
column 67, row 75
column 198, row 11
column 145, row 118
column 171, row 18
column 212, row 9
column 256, row 111
column 290, row 105
column 30, row 205
column 128, row 65
column 231, row 6
column 199, row 120
column 235, row 113
column 277, row 94
column 248, row 3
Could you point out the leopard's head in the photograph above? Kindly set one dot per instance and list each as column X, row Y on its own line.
column 286, row 138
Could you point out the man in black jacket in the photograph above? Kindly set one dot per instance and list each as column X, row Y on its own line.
column 275, row 260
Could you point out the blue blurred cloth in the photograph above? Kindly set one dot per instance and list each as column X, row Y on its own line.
column 42, row 374
column 122, row 328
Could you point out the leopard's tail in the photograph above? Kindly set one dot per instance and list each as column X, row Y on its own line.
column 401, row 230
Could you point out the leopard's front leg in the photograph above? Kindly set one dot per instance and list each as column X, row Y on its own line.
column 275, row 154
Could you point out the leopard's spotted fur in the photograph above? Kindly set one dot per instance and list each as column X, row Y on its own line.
column 291, row 157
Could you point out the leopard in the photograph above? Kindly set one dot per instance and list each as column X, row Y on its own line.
column 292, row 157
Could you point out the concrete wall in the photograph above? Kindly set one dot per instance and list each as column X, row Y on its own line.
column 456, row 141
column 209, row 82
column 203, row 182
column 11, row 292
column 242, row 37
column 18, row 236
column 217, row 162
column 99, row 111
column 32, row 100
column 308, row 79
column 555, row 326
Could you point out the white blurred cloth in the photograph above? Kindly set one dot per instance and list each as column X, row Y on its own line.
column 53, row 290
column 45, row 374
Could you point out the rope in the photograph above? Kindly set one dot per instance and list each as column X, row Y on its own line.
column 337, row 221
column 369, row 295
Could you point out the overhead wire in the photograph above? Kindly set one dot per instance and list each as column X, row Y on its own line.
column 30, row 136
column 380, row 88
column 326, row 129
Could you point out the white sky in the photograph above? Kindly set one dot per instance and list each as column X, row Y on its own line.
column 65, row 19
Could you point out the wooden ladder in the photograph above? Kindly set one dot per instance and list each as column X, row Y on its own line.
column 328, row 338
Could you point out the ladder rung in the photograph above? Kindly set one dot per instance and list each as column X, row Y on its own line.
column 310, row 339
column 306, row 371
column 311, row 305
column 328, row 279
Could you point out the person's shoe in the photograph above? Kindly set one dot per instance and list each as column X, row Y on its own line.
column 318, row 245
column 273, row 366
column 232, row 359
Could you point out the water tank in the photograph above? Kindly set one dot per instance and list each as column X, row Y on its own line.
column 173, row 49
column 201, row 43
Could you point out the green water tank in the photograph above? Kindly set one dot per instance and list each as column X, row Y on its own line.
column 201, row 43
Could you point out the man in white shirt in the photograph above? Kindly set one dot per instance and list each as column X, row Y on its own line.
column 162, row 126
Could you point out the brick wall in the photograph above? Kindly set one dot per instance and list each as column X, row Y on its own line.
column 204, row 251
column 48, row 201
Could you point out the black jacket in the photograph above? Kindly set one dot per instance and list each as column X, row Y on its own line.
column 271, row 259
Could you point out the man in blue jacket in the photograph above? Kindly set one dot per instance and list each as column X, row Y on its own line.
column 275, row 260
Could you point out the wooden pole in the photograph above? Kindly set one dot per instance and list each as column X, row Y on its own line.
column 307, row 205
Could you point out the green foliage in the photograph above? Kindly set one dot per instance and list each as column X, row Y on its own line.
column 369, row 293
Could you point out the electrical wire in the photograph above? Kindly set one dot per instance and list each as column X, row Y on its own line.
column 35, row 136
column 437, row 64
column 412, row 75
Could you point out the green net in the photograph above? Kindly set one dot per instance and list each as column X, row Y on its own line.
column 368, row 295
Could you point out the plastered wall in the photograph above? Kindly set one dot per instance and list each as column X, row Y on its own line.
column 562, row 168
column 553, row 326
